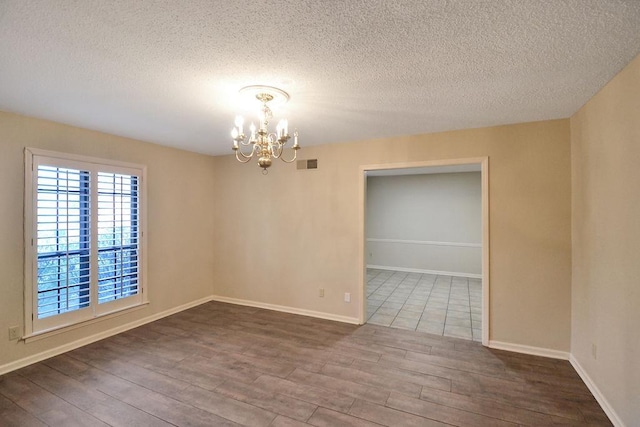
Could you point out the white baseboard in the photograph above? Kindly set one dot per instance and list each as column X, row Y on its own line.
column 525, row 349
column 419, row 270
column 286, row 309
column 593, row 388
column 21, row 363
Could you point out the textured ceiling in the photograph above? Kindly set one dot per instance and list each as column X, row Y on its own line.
column 168, row 72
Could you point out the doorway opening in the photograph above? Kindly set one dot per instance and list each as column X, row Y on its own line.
column 424, row 252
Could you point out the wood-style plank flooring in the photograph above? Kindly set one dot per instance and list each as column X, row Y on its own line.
column 221, row 365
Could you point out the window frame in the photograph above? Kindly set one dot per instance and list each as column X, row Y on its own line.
column 96, row 310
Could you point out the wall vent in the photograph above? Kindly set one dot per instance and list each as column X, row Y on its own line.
column 307, row 164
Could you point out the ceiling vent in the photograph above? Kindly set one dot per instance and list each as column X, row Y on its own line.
column 307, row 164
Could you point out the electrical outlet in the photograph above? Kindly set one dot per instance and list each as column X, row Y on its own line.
column 14, row 333
column 594, row 351
column 321, row 292
column 347, row 297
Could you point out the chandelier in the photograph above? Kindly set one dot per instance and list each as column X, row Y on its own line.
column 263, row 144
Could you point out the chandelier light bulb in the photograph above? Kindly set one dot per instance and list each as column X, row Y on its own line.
column 239, row 122
column 282, row 128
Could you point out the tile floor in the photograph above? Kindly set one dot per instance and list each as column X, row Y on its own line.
column 442, row 305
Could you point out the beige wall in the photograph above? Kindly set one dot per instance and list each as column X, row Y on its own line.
column 283, row 236
column 432, row 207
column 180, row 223
column 605, row 144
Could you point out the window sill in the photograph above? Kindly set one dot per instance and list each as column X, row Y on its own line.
column 36, row 336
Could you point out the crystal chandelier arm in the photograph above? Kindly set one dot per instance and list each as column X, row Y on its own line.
column 295, row 148
column 295, row 155
column 240, row 153
column 240, row 138
column 278, row 147
column 244, row 156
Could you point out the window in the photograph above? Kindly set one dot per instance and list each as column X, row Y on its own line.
column 84, row 239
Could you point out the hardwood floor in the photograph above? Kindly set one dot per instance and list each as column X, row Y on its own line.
column 220, row 364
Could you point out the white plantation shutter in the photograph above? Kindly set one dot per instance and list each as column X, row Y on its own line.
column 85, row 244
column 63, row 240
column 117, row 236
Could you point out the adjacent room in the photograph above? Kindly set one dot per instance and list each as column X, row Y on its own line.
column 424, row 249
column 346, row 213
